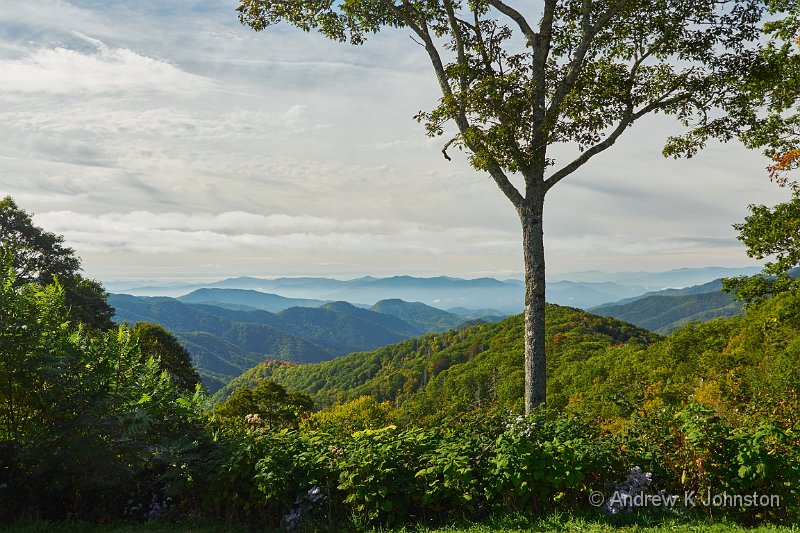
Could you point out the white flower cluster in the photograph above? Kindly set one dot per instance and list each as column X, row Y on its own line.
column 254, row 419
column 522, row 425
column 302, row 505
column 636, row 483
column 152, row 511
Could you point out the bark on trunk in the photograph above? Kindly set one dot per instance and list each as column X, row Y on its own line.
column 533, row 253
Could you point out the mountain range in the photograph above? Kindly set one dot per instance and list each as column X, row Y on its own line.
column 229, row 330
column 595, row 365
column 225, row 338
column 499, row 297
column 665, row 311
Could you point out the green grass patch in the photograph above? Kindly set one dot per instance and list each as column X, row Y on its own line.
column 510, row 523
column 513, row 523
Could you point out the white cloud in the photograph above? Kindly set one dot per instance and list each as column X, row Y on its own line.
column 238, row 231
column 61, row 71
column 164, row 136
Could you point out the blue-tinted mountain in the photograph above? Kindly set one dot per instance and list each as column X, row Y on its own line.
column 224, row 341
column 585, row 294
column 243, row 299
column 667, row 310
column 428, row 319
column 441, row 292
column 655, row 281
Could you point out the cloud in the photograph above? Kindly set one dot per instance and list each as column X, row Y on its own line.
column 633, row 245
column 61, row 71
column 146, row 128
column 243, row 232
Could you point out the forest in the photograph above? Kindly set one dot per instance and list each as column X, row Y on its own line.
column 105, row 423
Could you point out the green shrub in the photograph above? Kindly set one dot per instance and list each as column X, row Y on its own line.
column 378, row 474
column 540, row 464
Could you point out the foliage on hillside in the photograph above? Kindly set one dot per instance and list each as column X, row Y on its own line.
column 597, row 366
column 664, row 313
column 711, row 409
column 455, row 370
column 225, row 342
column 426, row 318
column 99, row 432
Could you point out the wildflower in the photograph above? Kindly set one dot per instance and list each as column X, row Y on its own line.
column 254, row 419
column 637, row 482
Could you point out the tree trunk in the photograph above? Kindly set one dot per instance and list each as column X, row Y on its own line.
column 533, row 254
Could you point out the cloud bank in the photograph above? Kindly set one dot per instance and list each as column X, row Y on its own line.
column 164, row 137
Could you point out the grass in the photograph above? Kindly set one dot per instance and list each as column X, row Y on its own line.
column 510, row 523
column 571, row 523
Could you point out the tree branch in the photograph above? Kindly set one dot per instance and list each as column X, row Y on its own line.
column 462, row 57
column 460, row 118
column 588, row 33
column 481, row 44
column 517, row 17
column 628, row 118
column 502, row 181
column 446, row 146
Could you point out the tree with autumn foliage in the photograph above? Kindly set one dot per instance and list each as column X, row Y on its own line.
column 521, row 83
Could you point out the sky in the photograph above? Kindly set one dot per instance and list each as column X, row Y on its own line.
column 167, row 142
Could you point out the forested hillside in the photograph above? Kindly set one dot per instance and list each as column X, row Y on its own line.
column 453, row 371
column 665, row 311
column 424, row 317
column 225, row 341
column 595, row 364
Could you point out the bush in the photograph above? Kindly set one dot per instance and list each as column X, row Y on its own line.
column 541, row 464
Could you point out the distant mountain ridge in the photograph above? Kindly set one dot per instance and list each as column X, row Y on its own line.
column 248, row 298
column 585, row 290
column 665, row 311
column 656, row 281
column 440, row 292
column 225, row 340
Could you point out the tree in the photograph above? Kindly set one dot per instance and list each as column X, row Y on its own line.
column 581, row 78
column 33, row 326
column 90, row 427
column 40, row 256
column 770, row 232
column 266, row 404
column 157, row 342
column 775, row 89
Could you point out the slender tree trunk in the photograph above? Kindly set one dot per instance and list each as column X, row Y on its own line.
column 533, row 253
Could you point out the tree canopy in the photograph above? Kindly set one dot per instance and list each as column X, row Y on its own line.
column 40, row 256
column 157, row 342
column 266, row 404
column 89, row 425
column 770, row 232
